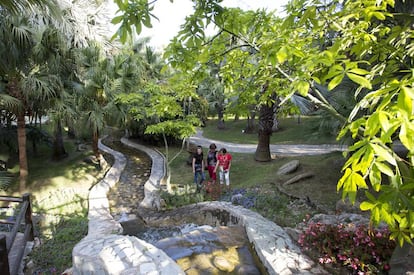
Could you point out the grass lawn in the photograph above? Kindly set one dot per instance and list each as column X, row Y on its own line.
column 293, row 130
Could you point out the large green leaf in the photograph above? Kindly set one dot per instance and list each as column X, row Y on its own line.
column 383, row 153
column 282, row 55
column 335, row 81
column 360, row 80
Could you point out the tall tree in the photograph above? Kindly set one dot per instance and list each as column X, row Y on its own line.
column 27, row 81
column 96, row 102
column 15, row 7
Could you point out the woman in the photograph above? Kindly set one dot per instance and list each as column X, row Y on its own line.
column 224, row 165
column 212, row 161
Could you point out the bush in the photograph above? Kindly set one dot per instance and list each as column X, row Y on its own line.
column 358, row 248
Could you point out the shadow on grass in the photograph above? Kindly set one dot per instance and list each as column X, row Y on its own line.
column 58, row 234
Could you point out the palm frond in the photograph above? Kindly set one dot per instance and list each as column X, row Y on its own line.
column 9, row 102
column 305, row 106
column 41, row 87
column 16, row 7
column 5, row 180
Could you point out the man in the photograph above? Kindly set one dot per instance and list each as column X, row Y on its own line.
column 198, row 168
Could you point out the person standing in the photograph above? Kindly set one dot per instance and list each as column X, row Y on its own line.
column 212, row 161
column 224, row 164
column 198, row 168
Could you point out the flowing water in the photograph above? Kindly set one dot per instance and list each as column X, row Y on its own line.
column 197, row 249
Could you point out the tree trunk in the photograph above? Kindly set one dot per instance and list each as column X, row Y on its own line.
column 250, row 128
column 266, row 115
column 59, row 151
column 71, row 132
column 95, row 140
column 265, row 131
column 275, row 127
column 220, row 115
column 21, row 139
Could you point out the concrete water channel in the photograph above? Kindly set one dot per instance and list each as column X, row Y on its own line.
column 197, row 248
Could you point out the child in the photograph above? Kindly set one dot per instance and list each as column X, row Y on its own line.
column 224, row 165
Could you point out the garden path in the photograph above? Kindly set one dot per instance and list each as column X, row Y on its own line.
column 277, row 149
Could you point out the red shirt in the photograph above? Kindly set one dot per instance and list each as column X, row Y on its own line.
column 224, row 160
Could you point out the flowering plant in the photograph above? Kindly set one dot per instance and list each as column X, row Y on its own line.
column 361, row 249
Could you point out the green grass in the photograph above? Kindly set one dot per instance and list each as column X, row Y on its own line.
column 46, row 174
column 293, row 130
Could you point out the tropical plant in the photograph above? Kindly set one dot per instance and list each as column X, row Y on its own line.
column 16, row 7
column 96, row 103
column 27, row 80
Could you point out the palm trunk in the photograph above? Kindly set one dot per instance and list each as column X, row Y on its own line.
column 265, row 131
column 59, row 151
column 71, row 131
column 21, row 139
column 95, row 140
column 266, row 115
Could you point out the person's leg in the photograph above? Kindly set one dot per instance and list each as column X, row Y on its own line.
column 221, row 177
column 195, row 177
column 199, row 177
column 211, row 172
column 227, row 178
column 214, row 176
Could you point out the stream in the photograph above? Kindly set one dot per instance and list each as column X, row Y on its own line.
column 197, row 249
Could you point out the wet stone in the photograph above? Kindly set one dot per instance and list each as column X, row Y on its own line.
column 248, row 269
column 211, row 250
column 223, row 264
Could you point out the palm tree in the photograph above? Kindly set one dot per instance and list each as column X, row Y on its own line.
column 97, row 100
column 17, row 6
column 27, row 81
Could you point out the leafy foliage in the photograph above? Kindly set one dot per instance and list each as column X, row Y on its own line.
column 5, row 180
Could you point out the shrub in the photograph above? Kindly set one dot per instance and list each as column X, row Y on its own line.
column 358, row 248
